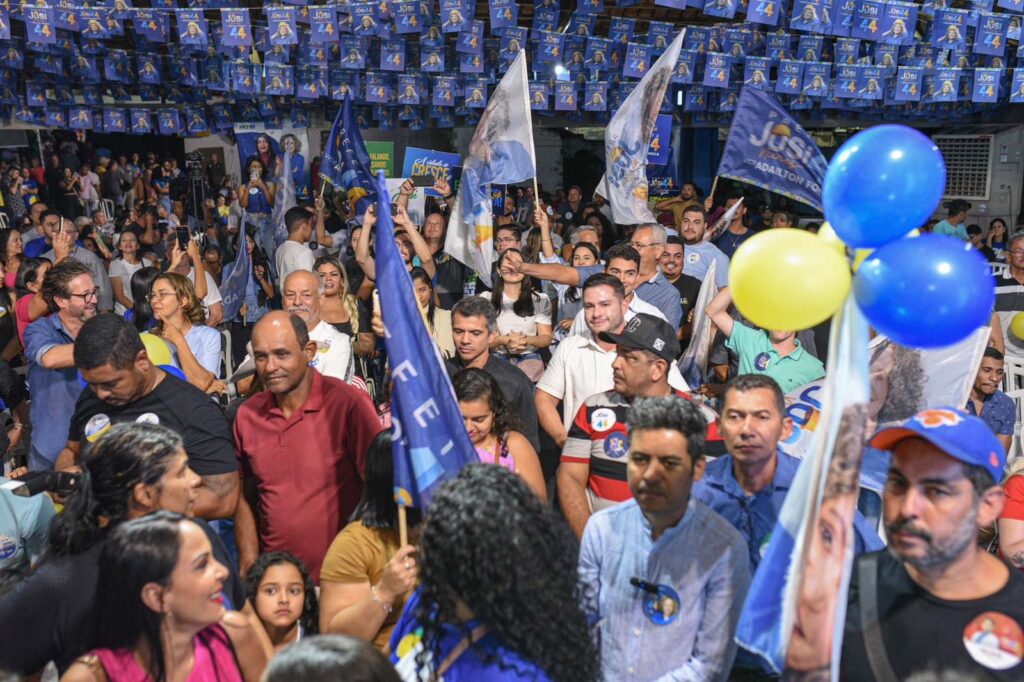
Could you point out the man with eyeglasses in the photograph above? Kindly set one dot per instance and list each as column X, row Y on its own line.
column 649, row 241
column 1010, row 293
column 72, row 295
column 54, row 225
column 994, row 407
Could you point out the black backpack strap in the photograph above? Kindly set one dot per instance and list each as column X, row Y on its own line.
column 871, row 626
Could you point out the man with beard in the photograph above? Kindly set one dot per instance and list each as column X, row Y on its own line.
column 700, row 253
column 123, row 385
column 688, row 196
column 935, row 600
column 993, row 406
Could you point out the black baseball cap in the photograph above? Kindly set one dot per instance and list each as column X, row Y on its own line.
column 647, row 332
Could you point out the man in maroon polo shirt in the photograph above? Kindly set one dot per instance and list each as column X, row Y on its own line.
column 302, row 447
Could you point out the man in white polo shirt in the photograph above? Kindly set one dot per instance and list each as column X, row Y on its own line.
column 303, row 294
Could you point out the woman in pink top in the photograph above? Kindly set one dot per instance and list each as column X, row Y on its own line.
column 162, row 615
column 12, row 250
column 494, row 428
column 28, row 286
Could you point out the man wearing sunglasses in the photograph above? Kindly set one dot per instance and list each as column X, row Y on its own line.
column 73, row 297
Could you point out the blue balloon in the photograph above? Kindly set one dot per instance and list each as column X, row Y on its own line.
column 925, row 292
column 881, row 184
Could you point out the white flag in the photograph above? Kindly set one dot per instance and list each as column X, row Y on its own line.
column 627, row 138
column 500, row 152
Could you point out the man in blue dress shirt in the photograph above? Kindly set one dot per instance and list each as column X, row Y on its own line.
column 663, row 576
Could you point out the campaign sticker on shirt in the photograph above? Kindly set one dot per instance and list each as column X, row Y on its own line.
column 323, row 346
column 7, row 547
column 692, row 257
column 761, row 361
column 661, row 607
column 994, row 640
column 96, row 427
column 147, row 418
column 568, row 215
column 616, row 445
column 602, row 419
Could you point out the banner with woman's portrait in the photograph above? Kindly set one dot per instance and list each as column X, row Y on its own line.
column 270, row 146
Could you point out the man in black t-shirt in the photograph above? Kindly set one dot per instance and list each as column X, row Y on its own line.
column 689, row 287
column 940, row 602
column 124, row 385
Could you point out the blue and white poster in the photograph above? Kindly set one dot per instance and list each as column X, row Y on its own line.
column 429, row 162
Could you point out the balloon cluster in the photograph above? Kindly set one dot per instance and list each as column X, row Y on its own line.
column 922, row 291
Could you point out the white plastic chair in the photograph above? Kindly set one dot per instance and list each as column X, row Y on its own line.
column 225, row 351
column 1013, row 373
column 108, row 208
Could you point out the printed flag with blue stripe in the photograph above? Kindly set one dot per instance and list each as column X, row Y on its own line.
column 232, row 288
column 346, row 163
column 430, row 443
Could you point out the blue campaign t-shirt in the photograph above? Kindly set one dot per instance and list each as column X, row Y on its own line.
column 406, row 642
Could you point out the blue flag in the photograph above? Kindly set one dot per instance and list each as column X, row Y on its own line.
column 346, row 164
column 430, row 443
column 768, row 148
column 232, row 288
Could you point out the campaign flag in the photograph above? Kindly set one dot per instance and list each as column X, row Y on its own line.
column 898, row 23
column 504, row 13
column 192, row 28
column 501, row 152
column 755, row 73
column 778, row 610
column 151, row 25
column 626, row 142
column 657, row 151
column 766, row 147
column 637, row 61
column 764, row 12
column 430, row 443
column 991, row 34
column 39, row 25
column 323, row 24
column 140, row 121
column 232, row 287
column 846, row 81
column 346, row 164
column 596, row 96
column 1017, row 89
column 113, row 120
column 986, row 85
column 237, row 31
column 693, row 363
column 908, row 84
column 281, row 26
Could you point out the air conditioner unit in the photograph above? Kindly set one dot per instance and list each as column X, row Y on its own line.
column 968, row 165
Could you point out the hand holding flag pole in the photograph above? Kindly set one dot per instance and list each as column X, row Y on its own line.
column 430, row 443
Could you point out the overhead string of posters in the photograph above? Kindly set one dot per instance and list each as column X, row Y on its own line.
column 109, row 66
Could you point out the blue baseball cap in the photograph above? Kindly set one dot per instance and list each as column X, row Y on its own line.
column 956, row 433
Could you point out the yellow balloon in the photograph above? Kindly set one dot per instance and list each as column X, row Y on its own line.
column 787, row 279
column 157, row 349
column 859, row 256
column 829, row 236
column 1017, row 325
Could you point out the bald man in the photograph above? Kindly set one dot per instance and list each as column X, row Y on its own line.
column 303, row 294
column 302, row 445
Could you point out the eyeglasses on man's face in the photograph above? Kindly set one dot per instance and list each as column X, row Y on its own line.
column 85, row 296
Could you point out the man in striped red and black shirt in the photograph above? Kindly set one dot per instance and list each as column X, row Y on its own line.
column 592, row 473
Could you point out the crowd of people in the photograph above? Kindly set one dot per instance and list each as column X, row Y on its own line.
column 229, row 512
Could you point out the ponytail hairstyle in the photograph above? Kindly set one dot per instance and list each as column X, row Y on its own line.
column 127, row 455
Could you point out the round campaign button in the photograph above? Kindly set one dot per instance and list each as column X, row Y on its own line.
column 994, row 640
column 692, row 257
column 147, row 418
column 616, row 445
column 761, row 361
column 96, row 427
column 661, row 607
column 602, row 419
column 7, row 547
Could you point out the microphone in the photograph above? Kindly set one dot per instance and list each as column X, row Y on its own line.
column 644, row 585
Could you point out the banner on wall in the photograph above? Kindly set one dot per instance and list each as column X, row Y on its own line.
column 382, row 157
column 256, row 139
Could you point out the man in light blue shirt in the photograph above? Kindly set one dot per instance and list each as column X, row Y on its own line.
column 699, row 253
column 24, row 526
column 953, row 225
column 747, row 486
column 664, row 577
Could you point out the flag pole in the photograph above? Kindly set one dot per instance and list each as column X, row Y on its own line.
column 403, row 527
column 536, row 193
column 711, row 194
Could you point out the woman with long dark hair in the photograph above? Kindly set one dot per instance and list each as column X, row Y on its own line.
column 499, row 597
column 282, row 595
column 524, row 319
column 366, row 575
column 142, row 283
column 131, row 470
column 29, row 305
column 570, row 298
column 256, row 196
column 439, row 320
column 495, row 429
column 12, row 251
column 161, row 611
column 123, row 267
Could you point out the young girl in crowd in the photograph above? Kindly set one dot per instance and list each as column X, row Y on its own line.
column 996, row 237
column 524, row 319
column 494, row 428
column 282, row 594
column 161, row 611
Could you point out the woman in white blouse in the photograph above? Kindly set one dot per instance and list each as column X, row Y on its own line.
column 524, row 319
column 122, row 269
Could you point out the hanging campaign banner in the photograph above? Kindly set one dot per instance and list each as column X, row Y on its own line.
column 237, row 31
column 768, row 148
column 657, row 151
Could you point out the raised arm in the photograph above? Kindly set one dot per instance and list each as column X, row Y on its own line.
column 552, row 272
column 419, row 246
column 541, row 220
column 718, row 311
column 363, row 257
